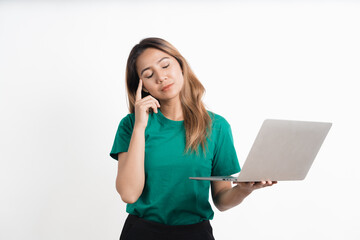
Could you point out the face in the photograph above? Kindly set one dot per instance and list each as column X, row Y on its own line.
column 161, row 74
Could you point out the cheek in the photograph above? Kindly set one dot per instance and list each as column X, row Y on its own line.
column 178, row 74
column 181, row 77
column 147, row 87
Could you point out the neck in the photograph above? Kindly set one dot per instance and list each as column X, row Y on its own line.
column 172, row 109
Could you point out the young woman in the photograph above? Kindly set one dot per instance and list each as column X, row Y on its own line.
column 167, row 137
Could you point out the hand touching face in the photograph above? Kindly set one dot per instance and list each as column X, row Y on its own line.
column 161, row 74
column 142, row 106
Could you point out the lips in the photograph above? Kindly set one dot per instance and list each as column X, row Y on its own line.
column 167, row 87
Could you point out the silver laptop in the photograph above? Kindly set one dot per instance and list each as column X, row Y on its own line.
column 283, row 150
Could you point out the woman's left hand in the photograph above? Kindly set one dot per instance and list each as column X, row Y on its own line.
column 251, row 186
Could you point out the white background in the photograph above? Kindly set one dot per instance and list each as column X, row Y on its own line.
column 62, row 95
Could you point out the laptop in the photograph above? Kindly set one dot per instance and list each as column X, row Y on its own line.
column 283, row 150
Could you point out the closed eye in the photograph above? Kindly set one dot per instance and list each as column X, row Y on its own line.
column 150, row 76
column 166, row 66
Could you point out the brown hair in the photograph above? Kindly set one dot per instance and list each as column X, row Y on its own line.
column 197, row 121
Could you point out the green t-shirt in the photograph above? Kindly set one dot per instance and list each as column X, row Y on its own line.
column 169, row 196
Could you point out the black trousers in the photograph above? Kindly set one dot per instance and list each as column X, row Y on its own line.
column 136, row 228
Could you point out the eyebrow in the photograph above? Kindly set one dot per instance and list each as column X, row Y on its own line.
column 149, row 67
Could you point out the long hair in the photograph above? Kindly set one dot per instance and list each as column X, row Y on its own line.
column 197, row 121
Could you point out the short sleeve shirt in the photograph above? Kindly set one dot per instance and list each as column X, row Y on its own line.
column 169, row 196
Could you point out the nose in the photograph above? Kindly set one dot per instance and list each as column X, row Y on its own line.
column 161, row 76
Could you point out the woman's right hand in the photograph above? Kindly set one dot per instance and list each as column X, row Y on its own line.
column 142, row 106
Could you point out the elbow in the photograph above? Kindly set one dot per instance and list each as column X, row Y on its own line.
column 129, row 193
column 219, row 204
column 221, row 208
column 129, row 199
column 224, row 207
column 127, row 196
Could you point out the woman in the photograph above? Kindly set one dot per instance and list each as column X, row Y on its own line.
column 167, row 137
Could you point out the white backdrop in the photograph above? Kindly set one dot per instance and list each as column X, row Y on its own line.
column 62, row 95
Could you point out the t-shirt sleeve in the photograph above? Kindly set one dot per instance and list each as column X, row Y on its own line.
column 123, row 136
column 225, row 160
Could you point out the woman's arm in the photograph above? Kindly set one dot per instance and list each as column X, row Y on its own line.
column 130, row 178
column 226, row 197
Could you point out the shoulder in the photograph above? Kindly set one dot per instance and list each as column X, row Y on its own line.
column 128, row 120
column 218, row 121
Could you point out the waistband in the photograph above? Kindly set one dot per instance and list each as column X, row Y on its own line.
column 155, row 226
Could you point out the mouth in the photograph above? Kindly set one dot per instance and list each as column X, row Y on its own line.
column 167, row 87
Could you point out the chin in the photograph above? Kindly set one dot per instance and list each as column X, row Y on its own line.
column 168, row 96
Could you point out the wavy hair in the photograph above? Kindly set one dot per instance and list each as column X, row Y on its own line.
column 197, row 121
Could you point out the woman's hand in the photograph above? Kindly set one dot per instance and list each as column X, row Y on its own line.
column 251, row 186
column 142, row 106
column 230, row 197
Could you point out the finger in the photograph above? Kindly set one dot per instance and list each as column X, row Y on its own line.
column 138, row 91
column 154, row 99
column 154, row 107
column 269, row 183
column 150, row 98
column 250, row 184
column 273, row 182
column 242, row 184
column 259, row 184
column 148, row 105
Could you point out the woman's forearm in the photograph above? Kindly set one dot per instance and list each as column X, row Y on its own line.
column 131, row 173
column 231, row 197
